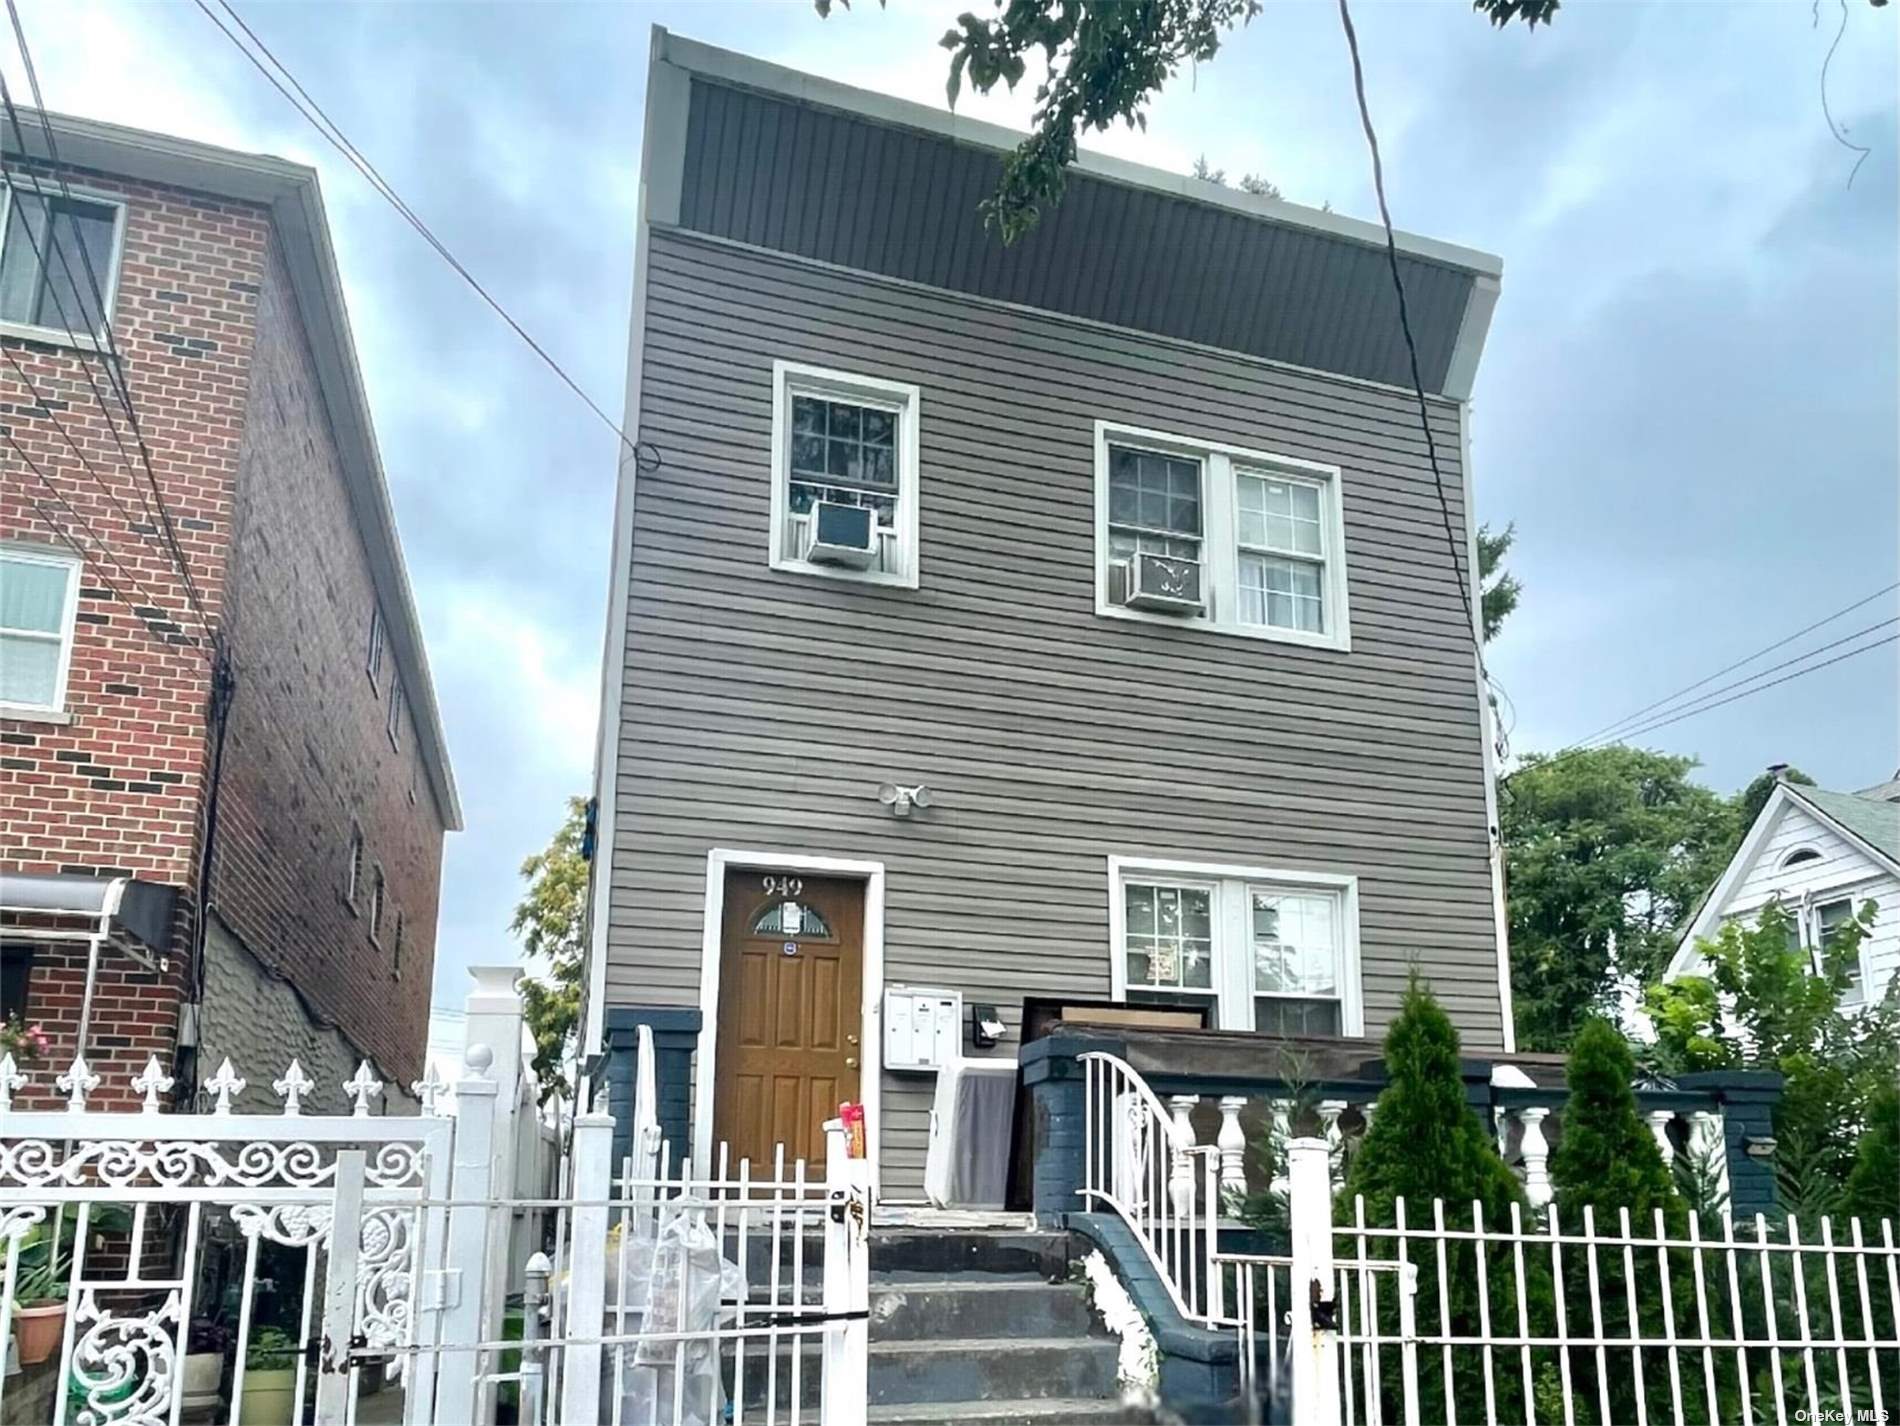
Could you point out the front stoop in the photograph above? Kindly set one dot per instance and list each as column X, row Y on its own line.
column 985, row 1328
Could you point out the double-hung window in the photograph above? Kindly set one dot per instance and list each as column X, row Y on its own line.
column 1215, row 537
column 39, row 598
column 1828, row 920
column 1273, row 952
column 58, row 262
column 844, row 475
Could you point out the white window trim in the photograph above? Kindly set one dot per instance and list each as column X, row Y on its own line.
column 108, row 280
column 1233, row 975
column 69, row 617
column 378, row 648
column 392, row 717
column 1220, row 547
column 844, row 386
column 355, row 862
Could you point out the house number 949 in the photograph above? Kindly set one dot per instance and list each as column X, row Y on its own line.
column 783, row 886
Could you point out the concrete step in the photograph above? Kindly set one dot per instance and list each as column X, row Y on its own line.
column 978, row 1305
column 904, row 1254
column 976, row 1369
column 1050, row 1411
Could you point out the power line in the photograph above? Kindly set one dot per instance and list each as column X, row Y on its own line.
column 334, row 135
column 1739, row 663
column 1677, row 716
column 114, row 374
column 1405, row 324
column 1740, row 682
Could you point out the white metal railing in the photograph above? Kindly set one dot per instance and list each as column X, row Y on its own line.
column 1141, row 1163
column 677, row 1300
column 1536, row 1319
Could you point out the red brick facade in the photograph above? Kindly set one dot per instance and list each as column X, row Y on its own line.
column 222, row 378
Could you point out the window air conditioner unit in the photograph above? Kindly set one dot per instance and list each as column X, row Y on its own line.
column 1160, row 583
column 843, row 534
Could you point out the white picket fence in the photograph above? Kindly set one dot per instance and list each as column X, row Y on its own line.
column 1447, row 1317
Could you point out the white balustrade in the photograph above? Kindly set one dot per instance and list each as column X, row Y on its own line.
column 1330, row 1112
column 1659, row 1122
column 1281, row 1111
column 1181, row 1152
column 1536, row 1151
column 1232, row 1143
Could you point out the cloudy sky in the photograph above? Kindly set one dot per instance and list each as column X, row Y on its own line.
column 1687, row 405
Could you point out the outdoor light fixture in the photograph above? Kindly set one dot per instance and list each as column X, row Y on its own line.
column 901, row 799
column 1762, row 1147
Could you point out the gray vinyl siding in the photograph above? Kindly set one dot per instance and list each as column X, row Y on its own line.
column 879, row 197
column 762, row 709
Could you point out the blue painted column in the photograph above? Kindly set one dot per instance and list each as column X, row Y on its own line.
column 675, row 1035
column 1057, row 1120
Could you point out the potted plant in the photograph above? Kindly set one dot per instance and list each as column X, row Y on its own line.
column 206, row 1342
column 26, row 1043
column 270, row 1380
column 41, row 1277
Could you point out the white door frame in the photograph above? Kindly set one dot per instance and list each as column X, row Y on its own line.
column 719, row 861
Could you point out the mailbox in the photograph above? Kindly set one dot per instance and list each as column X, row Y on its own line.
column 923, row 1027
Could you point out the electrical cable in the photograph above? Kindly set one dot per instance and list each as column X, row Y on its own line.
column 334, row 135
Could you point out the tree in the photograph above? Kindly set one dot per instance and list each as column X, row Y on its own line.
column 1607, row 1161
column 550, row 919
column 1426, row 1143
column 1250, row 183
column 1760, row 1003
column 1873, row 1184
column 1751, row 799
column 1607, row 850
column 1501, row 587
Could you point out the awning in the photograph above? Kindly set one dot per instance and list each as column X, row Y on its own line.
column 116, row 904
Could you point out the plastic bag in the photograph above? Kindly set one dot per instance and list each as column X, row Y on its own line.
column 684, row 1291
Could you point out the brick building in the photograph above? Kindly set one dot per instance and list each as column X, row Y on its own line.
column 255, row 748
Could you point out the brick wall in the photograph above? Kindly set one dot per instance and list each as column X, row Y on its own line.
column 225, row 392
column 308, row 754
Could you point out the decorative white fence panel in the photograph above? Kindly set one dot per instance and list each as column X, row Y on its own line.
column 117, row 1210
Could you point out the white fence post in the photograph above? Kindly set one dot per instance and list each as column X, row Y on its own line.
column 585, row 1316
column 464, row 1264
column 846, row 1379
column 493, row 1008
column 339, row 1290
column 1315, row 1343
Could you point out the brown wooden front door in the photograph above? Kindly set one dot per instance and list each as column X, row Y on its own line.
column 791, row 992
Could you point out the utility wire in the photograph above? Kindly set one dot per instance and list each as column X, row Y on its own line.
column 324, row 125
column 1763, row 687
column 114, row 374
column 1405, row 326
column 191, row 640
column 1730, row 668
column 1751, row 678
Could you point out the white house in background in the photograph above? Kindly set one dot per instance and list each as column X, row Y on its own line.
column 1822, row 854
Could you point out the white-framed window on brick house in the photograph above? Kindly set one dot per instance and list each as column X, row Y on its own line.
column 1276, row 952
column 39, row 599
column 353, row 867
column 844, row 475
column 54, row 248
column 1209, row 536
column 378, row 903
column 373, row 660
column 392, row 719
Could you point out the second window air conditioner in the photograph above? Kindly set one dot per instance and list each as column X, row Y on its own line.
column 1161, row 584
column 843, row 535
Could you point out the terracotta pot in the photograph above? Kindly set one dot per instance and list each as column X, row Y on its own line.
column 269, row 1398
column 38, row 1330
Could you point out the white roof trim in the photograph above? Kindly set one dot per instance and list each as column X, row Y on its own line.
column 1785, row 795
column 291, row 192
column 744, row 70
